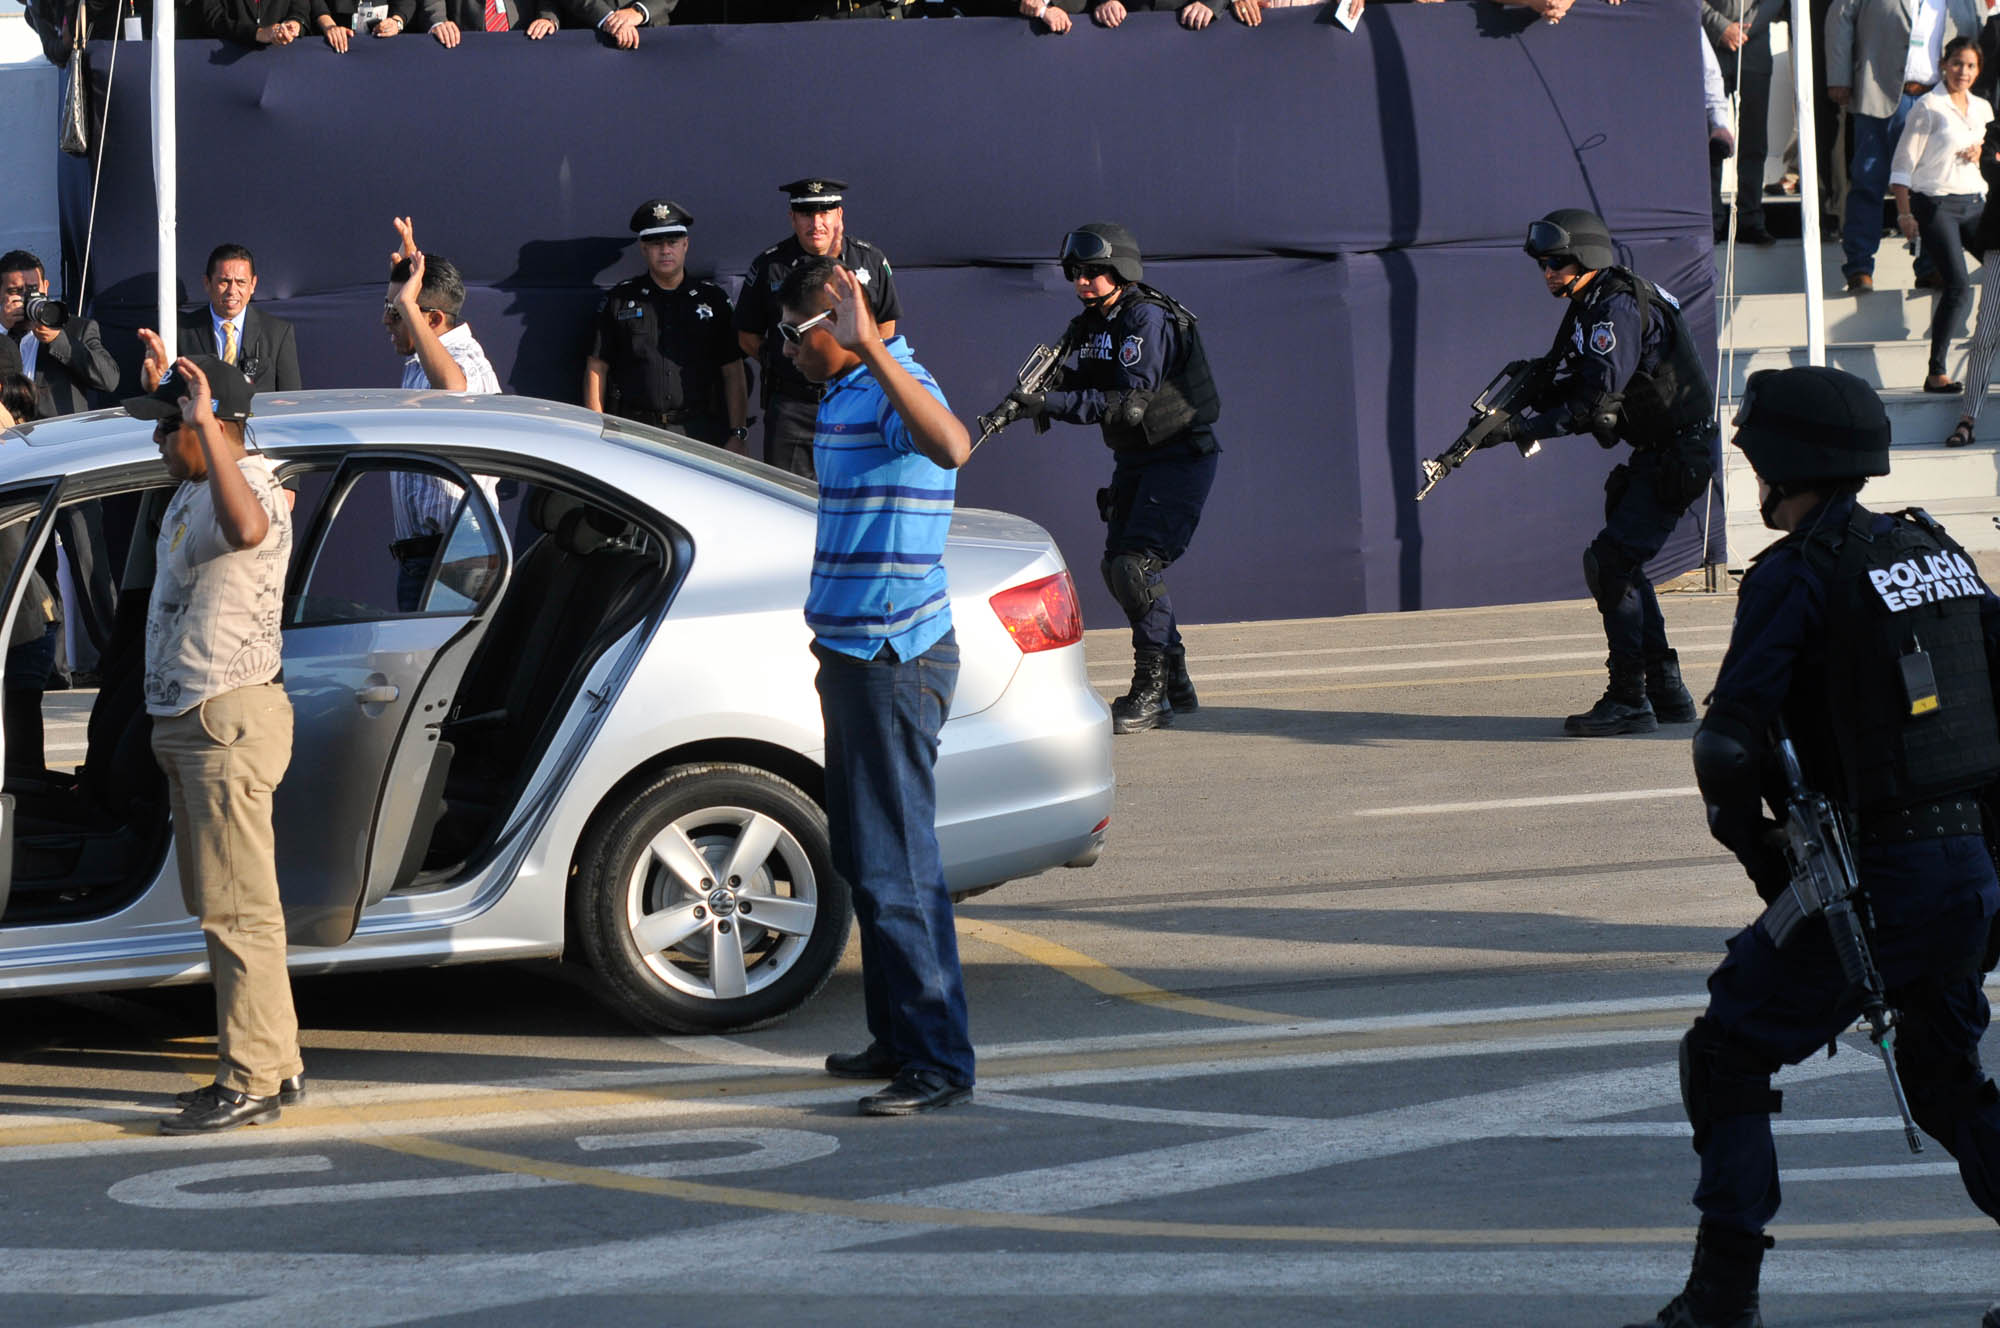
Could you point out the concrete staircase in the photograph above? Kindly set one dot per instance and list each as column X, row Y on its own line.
column 1883, row 336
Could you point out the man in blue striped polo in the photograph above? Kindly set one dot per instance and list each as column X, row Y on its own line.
column 885, row 448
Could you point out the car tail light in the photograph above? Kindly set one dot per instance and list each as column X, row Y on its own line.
column 1041, row 615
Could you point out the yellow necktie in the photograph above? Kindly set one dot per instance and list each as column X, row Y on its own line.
column 229, row 343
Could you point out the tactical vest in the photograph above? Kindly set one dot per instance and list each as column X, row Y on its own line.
column 1659, row 410
column 1186, row 397
column 1889, row 595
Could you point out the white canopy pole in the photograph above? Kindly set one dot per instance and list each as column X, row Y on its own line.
column 1802, row 90
column 165, row 168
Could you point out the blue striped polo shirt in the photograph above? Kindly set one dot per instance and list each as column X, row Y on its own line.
column 884, row 512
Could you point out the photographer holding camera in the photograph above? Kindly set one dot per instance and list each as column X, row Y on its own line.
column 61, row 352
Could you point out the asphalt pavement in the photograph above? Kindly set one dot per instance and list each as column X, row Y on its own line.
column 1367, row 1015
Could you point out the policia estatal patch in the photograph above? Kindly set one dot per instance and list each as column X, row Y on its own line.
column 1926, row 580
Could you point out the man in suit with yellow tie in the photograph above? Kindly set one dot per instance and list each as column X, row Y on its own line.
column 263, row 347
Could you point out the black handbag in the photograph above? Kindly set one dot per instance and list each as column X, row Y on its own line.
column 75, row 134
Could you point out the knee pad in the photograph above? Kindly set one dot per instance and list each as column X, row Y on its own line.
column 1721, row 1078
column 1134, row 581
column 1607, row 571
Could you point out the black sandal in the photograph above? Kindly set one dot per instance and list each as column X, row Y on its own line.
column 1944, row 389
column 1960, row 436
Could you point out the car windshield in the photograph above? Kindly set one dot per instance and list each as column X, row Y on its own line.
column 717, row 460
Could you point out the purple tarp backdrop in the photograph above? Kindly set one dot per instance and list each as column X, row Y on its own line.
column 1343, row 210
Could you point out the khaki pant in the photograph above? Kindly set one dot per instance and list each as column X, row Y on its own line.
column 222, row 760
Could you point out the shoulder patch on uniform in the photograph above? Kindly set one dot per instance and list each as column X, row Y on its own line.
column 1131, row 349
column 1603, row 339
column 1667, row 295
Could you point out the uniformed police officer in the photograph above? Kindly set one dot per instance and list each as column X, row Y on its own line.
column 1140, row 374
column 1872, row 636
column 1626, row 371
column 662, row 349
column 791, row 403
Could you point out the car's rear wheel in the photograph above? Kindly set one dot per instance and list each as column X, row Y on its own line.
column 708, row 902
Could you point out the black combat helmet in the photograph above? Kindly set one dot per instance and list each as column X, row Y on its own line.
column 1812, row 423
column 1574, row 234
column 1102, row 244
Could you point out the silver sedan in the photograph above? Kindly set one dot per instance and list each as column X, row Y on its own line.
column 592, row 733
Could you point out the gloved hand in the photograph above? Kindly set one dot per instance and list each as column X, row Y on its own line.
column 1507, row 431
column 1031, row 404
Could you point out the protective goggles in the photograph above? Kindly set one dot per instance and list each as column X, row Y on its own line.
column 796, row 334
column 1746, row 405
column 1548, row 240
column 1085, row 253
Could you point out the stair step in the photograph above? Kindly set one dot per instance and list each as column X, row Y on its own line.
column 1890, row 365
column 1780, row 268
column 1958, row 486
column 1877, row 315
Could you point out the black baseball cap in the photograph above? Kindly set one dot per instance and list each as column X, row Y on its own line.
column 229, row 393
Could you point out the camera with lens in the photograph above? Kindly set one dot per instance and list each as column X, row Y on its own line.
column 39, row 309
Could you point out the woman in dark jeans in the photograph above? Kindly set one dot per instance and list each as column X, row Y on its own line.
column 1939, row 191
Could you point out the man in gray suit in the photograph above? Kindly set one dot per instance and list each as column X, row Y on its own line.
column 237, row 333
column 1877, row 73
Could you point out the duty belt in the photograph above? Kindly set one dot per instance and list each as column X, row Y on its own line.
column 1930, row 820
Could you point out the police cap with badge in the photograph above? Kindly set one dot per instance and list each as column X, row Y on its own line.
column 661, row 219
column 815, row 193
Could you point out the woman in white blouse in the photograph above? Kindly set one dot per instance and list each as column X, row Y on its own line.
column 1939, row 191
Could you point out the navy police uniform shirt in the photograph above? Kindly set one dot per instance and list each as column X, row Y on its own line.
column 664, row 350
column 757, row 309
column 1131, row 349
column 1780, row 613
column 1605, row 347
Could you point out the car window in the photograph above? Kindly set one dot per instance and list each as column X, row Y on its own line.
column 363, row 569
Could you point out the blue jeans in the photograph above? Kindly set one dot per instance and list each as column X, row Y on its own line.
column 1932, row 900
column 882, row 721
column 1874, row 139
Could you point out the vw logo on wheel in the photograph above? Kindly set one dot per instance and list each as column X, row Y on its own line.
column 722, row 903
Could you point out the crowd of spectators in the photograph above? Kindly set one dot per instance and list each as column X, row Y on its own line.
column 341, row 22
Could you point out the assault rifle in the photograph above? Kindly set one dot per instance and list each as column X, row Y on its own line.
column 1823, row 881
column 1036, row 371
column 1510, row 392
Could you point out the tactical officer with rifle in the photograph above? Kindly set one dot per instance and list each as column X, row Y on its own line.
column 1623, row 369
column 1859, row 679
column 1139, row 373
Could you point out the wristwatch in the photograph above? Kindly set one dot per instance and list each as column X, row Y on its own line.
column 739, row 433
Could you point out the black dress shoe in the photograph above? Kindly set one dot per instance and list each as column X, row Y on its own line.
column 914, row 1091
column 875, row 1062
column 291, row 1092
column 1756, row 235
column 225, row 1110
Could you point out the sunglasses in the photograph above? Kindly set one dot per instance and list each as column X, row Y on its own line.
column 1554, row 264
column 392, row 313
column 1086, row 271
column 795, row 333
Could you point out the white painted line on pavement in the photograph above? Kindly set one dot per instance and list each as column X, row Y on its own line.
column 1207, row 657
column 1507, row 804
column 1889, row 1171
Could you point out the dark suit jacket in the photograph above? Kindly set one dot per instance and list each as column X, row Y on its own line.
column 470, row 15
column 342, row 13
column 238, row 20
column 71, row 367
column 268, row 348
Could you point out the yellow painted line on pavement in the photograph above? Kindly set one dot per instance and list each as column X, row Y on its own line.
column 1103, row 978
column 868, row 1210
column 748, row 1087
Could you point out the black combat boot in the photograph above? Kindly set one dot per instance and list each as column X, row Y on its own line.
column 1622, row 709
column 1671, row 701
column 1146, row 705
column 1180, row 687
column 1721, row 1289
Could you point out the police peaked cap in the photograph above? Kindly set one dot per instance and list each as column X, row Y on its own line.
column 1812, row 423
column 661, row 216
column 1106, row 244
column 814, row 193
column 1574, row 234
